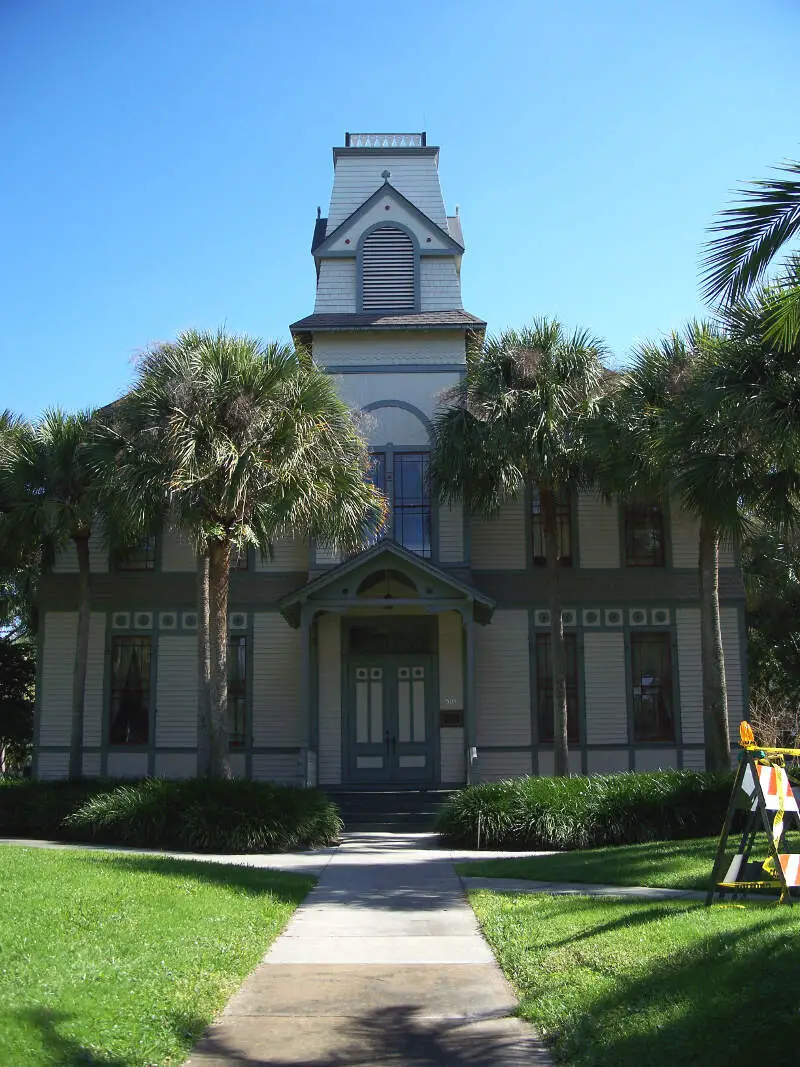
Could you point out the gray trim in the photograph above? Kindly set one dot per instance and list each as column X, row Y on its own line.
column 387, row 224
column 427, row 252
column 374, row 405
column 393, row 368
column 340, row 152
column 171, row 591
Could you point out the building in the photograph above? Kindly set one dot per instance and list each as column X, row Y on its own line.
column 424, row 660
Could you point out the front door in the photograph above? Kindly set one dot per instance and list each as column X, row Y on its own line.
column 388, row 735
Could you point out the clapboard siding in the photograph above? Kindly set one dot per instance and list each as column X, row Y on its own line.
column 499, row 543
column 451, row 533
column 547, row 764
column 329, row 652
column 598, row 531
column 604, row 674
column 288, row 554
column 55, row 677
column 177, row 553
column 127, row 764
column 176, row 765
column 91, row 765
column 656, row 759
column 176, row 699
column 694, row 759
column 356, row 178
column 451, row 748
column 451, row 667
column 51, row 765
column 502, row 680
column 685, row 531
column 732, row 650
column 282, row 767
column 494, row 766
column 439, row 286
column 336, row 286
column 606, row 762
column 276, row 682
column 95, row 676
column 369, row 347
column 67, row 560
column 690, row 674
column 325, row 556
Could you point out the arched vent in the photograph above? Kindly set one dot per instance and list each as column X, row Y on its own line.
column 388, row 270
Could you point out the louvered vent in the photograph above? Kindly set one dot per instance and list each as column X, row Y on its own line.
column 388, row 271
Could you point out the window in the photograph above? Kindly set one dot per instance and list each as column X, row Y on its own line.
column 141, row 557
column 237, row 689
column 644, row 535
column 411, row 502
column 130, row 691
column 563, row 528
column 388, row 271
column 651, row 677
column 239, row 560
column 544, row 688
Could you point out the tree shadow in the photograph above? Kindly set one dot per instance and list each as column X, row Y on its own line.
column 58, row 1050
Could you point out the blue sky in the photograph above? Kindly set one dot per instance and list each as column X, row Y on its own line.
column 162, row 160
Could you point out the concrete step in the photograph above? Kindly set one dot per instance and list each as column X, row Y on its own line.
column 412, row 810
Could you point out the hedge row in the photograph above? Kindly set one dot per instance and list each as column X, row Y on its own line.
column 570, row 813
column 195, row 815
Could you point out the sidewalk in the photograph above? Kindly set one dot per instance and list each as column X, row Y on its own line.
column 382, row 966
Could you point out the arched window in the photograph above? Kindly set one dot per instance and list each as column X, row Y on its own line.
column 387, row 271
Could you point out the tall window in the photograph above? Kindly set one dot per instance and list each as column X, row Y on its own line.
column 388, row 271
column 644, row 535
column 237, row 689
column 563, row 528
column 130, row 691
column 411, row 502
column 651, row 677
column 141, row 557
column 544, row 688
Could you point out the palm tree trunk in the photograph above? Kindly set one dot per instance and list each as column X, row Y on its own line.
column 715, row 697
column 75, row 770
column 203, row 669
column 547, row 498
column 219, row 564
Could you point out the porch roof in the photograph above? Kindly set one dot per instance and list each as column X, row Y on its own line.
column 437, row 589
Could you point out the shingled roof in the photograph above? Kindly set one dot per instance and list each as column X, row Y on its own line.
column 440, row 320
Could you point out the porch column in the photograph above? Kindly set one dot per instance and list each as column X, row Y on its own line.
column 470, row 719
column 306, row 618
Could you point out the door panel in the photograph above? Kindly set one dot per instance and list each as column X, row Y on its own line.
column 388, row 735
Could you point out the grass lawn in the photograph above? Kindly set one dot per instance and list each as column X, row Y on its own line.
column 666, row 864
column 122, row 960
column 620, row 983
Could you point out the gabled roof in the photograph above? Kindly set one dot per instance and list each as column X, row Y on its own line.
column 319, row 250
column 379, row 554
column 369, row 320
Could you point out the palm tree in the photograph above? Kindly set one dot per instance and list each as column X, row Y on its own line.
column 751, row 234
column 247, row 441
column 51, row 499
column 517, row 421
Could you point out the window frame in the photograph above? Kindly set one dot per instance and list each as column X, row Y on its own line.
column 390, row 457
column 668, row 683
column 127, row 563
column 238, row 741
column 645, row 510
column 544, row 690
column 110, row 717
column 565, row 519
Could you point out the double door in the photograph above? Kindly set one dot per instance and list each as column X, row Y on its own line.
column 388, row 734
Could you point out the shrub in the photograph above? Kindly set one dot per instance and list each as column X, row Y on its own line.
column 195, row 815
column 569, row 813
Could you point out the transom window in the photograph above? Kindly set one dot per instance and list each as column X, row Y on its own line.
column 651, row 678
column 644, row 535
column 544, row 688
column 388, row 270
column 563, row 528
column 237, row 690
column 129, row 719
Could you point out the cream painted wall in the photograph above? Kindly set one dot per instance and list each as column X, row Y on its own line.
column 370, row 347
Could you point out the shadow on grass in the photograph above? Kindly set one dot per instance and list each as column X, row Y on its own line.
column 255, row 881
column 57, row 1050
column 713, row 1003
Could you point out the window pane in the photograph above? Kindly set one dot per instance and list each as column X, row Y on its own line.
column 141, row 557
column 412, row 509
column 563, row 525
column 130, row 691
column 651, row 676
column 644, row 535
column 544, row 688
column 237, row 689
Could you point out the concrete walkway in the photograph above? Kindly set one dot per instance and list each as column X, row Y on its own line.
column 383, row 965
